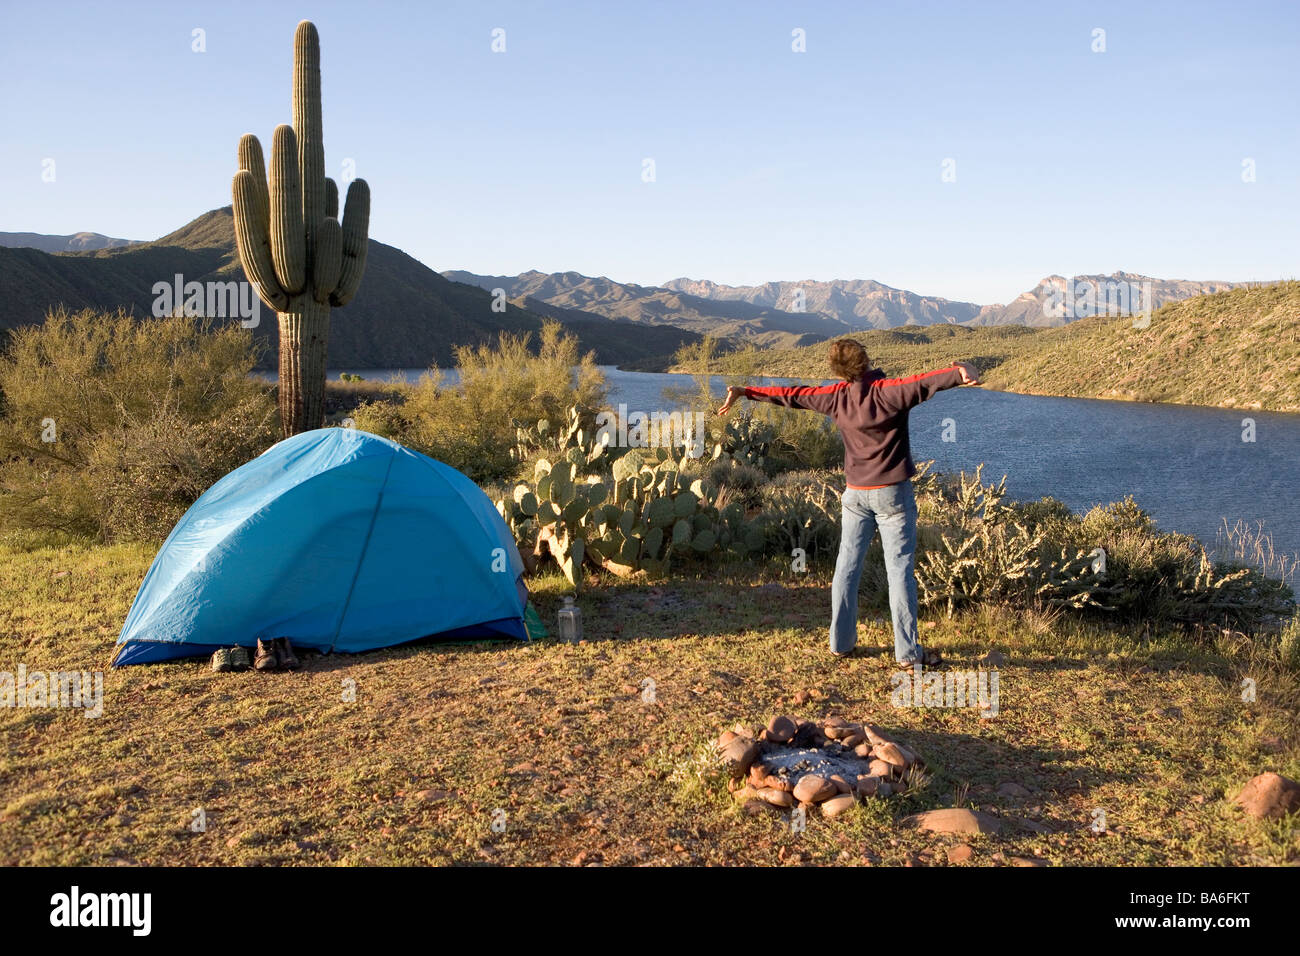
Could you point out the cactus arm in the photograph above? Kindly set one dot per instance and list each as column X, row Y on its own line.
column 331, row 198
column 308, row 128
column 253, row 239
column 329, row 259
column 356, row 223
column 250, row 158
column 288, row 238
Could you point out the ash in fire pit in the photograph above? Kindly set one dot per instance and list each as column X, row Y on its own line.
column 832, row 764
column 793, row 763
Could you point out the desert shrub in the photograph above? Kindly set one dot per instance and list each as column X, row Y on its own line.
column 801, row 509
column 768, row 436
column 469, row 425
column 804, row 439
column 737, row 482
column 1289, row 645
column 1170, row 576
column 1251, row 545
column 1045, row 514
column 1112, row 560
column 112, row 426
column 987, row 554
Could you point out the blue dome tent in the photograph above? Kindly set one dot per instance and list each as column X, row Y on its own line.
column 338, row 540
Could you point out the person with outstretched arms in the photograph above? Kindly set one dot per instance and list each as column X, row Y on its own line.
column 870, row 410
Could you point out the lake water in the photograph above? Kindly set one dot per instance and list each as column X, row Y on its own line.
column 1186, row 466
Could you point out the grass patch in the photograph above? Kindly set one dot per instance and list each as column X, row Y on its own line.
column 563, row 739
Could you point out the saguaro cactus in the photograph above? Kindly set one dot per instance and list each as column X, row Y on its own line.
column 291, row 243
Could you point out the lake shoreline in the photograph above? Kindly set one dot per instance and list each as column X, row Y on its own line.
column 1256, row 406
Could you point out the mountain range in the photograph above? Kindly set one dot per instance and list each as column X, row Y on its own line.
column 862, row 304
column 793, row 313
column 406, row 315
column 628, row 302
column 79, row 242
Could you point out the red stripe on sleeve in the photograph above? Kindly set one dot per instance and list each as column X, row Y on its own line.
column 793, row 389
column 878, row 383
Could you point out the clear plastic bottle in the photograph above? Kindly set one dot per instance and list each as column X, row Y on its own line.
column 570, row 623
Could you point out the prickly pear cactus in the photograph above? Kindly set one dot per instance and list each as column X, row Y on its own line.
column 291, row 243
column 625, row 513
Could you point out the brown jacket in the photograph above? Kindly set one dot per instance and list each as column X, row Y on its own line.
column 871, row 414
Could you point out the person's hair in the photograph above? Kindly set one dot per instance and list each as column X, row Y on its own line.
column 848, row 359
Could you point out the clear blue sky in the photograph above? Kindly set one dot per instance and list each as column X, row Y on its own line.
column 770, row 164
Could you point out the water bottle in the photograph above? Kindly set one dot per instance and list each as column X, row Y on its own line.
column 570, row 623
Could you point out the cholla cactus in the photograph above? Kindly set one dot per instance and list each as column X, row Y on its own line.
column 291, row 243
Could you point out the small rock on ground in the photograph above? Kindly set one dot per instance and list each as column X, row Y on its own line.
column 1269, row 796
column 955, row 820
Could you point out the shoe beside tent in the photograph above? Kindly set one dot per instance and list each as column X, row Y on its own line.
column 338, row 540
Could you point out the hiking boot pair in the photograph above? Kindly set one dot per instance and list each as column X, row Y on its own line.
column 275, row 655
column 235, row 659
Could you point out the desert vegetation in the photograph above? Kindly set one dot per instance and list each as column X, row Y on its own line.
column 704, row 576
column 111, row 427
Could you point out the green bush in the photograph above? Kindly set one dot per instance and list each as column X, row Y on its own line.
column 470, row 425
column 783, row 438
column 112, row 426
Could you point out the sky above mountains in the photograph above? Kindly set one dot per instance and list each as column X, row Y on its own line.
column 955, row 149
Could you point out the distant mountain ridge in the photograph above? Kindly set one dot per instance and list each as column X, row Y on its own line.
column 408, row 315
column 860, row 304
column 863, row 304
column 405, row 314
column 77, row 242
column 651, row 305
column 788, row 314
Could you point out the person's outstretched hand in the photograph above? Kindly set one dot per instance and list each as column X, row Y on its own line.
column 970, row 375
column 733, row 392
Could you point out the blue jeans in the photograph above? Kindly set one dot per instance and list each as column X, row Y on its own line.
column 893, row 511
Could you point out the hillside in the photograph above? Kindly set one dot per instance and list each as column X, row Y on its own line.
column 79, row 242
column 651, row 305
column 405, row 315
column 1238, row 349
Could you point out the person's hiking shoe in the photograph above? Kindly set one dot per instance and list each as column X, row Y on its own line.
column 266, row 659
column 285, row 655
column 221, row 661
column 239, row 659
